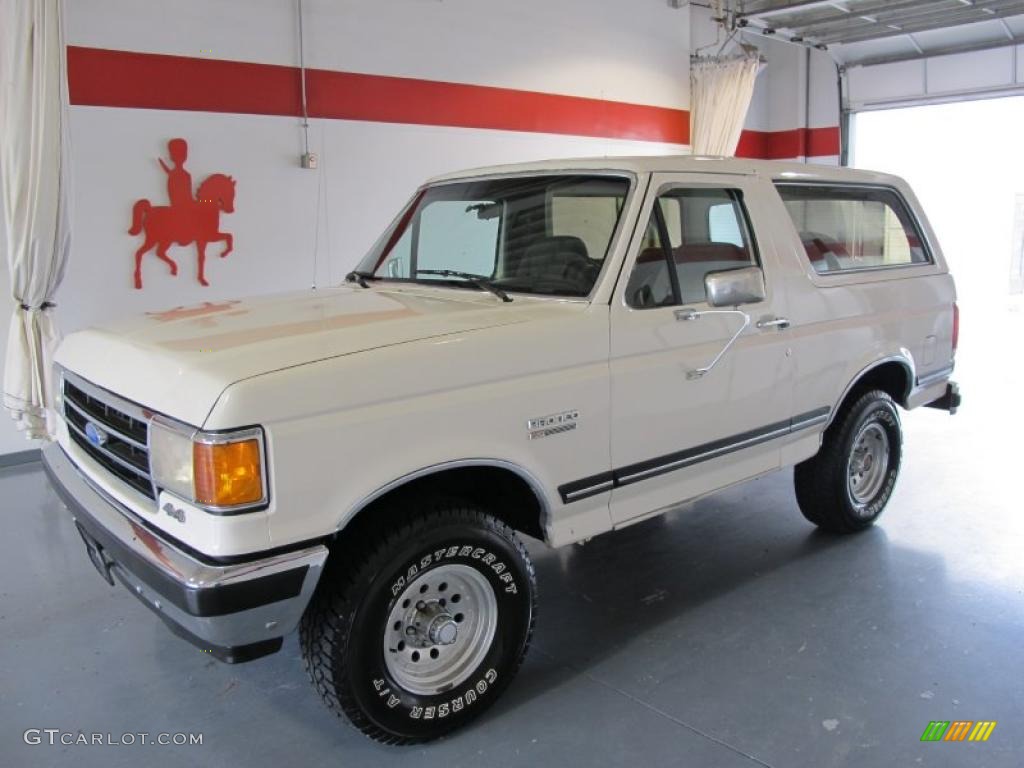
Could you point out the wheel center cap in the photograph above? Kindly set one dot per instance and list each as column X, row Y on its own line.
column 443, row 630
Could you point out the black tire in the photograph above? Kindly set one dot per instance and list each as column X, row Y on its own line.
column 344, row 630
column 827, row 495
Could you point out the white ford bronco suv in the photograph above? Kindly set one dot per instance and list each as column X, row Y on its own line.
column 554, row 349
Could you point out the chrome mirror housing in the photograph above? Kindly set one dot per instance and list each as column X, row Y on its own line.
column 732, row 287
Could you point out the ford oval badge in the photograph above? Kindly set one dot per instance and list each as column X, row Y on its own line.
column 94, row 434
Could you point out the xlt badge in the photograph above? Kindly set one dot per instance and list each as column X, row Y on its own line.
column 545, row 426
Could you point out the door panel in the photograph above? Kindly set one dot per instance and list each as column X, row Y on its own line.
column 676, row 436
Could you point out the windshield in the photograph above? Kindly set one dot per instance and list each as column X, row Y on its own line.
column 539, row 234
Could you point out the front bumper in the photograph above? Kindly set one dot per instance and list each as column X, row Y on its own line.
column 235, row 612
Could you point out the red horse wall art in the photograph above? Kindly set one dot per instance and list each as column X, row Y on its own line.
column 187, row 219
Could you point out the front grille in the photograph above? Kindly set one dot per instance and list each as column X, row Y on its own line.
column 123, row 452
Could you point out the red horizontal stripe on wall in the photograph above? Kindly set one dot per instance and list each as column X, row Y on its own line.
column 350, row 96
column 800, row 142
column 99, row 77
column 102, row 78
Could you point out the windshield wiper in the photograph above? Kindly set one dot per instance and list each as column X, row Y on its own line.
column 478, row 280
column 355, row 276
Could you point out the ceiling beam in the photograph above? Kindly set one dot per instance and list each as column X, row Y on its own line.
column 804, row 20
column 910, row 12
column 775, row 8
column 946, row 51
column 908, row 23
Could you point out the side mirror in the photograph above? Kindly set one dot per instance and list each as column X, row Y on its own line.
column 731, row 287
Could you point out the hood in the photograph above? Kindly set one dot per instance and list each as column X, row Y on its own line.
column 179, row 361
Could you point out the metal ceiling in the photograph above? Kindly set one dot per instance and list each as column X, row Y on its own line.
column 872, row 31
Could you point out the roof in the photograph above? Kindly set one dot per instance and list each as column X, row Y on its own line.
column 683, row 164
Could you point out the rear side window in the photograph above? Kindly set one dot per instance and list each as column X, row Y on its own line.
column 853, row 228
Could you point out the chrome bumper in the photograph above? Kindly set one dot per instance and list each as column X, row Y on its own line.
column 235, row 612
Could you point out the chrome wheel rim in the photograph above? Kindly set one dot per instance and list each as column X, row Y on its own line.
column 440, row 629
column 868, row 464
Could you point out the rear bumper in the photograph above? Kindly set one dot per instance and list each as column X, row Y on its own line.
column 234, row 612
column 950, row 399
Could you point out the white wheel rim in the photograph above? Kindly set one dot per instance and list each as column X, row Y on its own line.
column 868, row 464
column 440, row 629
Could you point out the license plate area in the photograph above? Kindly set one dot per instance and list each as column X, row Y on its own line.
column 97, row 556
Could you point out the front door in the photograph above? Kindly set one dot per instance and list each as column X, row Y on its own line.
column 678, row 433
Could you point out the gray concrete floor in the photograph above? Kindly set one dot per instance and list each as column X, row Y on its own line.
column 727, row 634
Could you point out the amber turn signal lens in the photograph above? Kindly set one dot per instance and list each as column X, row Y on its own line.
column 227, row 474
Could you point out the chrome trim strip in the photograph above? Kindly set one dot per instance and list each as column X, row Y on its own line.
column 904, row 358
column 590, row 490
column 106, row 427
column 535, row 485
column 935, row 377
column 119, row 521
column 232, row 629
column 134, row 410
column 810, row 421
column 114, row 458
column 705, row 456
column 591, row 486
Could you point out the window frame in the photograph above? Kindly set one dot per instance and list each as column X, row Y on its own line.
column 908, row 209
column 736, row 195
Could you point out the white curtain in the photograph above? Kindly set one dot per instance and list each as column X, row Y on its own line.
column 35, row 175
column 720, row 94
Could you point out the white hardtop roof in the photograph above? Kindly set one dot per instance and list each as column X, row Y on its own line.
column 772, row 169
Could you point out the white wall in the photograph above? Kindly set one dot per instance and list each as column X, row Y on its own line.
column 291, row 225
column 287, row 217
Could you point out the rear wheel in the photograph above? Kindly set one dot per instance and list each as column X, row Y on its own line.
column 416, row 629
column 846, row 486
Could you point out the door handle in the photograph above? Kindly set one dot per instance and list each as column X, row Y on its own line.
column 781, row 323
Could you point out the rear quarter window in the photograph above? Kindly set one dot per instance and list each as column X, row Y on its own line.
column 851, row 228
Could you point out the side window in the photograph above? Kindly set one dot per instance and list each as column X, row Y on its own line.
column 849, row 228
column 704, row 230
column 650, row 284
column 723, row 225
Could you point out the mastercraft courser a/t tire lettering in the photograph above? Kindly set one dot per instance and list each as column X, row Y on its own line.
column 847, row 484
column 420, row 621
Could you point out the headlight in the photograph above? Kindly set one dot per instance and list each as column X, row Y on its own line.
column 217, row 471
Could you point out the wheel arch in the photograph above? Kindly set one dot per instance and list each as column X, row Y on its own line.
column 521, row 500
column 893, row 374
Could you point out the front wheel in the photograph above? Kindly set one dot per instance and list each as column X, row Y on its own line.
column 845, row 487
column 417, row 628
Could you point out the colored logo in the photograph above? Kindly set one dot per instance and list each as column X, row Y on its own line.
column 188, row 218
column 958, row 730
column 94, row 434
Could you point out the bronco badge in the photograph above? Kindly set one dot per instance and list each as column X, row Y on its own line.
column 555, row 424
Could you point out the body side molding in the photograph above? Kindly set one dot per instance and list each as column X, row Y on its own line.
column 644, row 470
